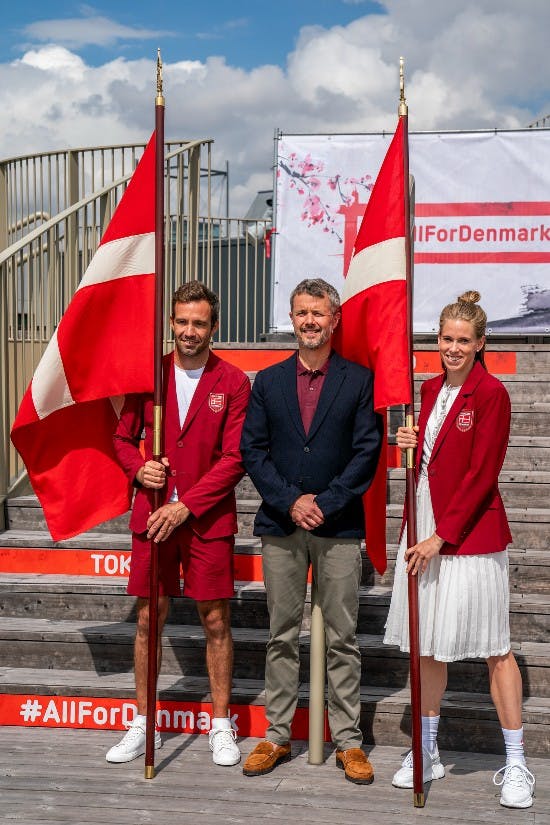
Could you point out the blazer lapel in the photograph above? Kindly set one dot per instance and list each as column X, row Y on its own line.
column 430, row 394
column 290, row 393
column 171, row 416
column 467, row 389
column 331, row 385
column 208, row 381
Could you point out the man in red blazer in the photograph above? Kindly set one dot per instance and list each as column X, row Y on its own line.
column 204, row 406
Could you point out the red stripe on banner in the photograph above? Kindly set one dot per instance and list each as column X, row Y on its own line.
column 101, row 713
column 482, row 257
column 432, row 210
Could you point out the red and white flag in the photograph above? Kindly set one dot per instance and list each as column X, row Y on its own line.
column 373, row 328
column 101, row 350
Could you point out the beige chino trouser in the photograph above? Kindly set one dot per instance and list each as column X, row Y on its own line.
column 336, row 567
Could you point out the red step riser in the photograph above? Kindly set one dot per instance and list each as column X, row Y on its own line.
column 101, row 563
column 100, row 713
column 425, row 361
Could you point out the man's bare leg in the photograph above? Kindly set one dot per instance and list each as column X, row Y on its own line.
column 132, row 743
column 215, row 618
column 141, row 647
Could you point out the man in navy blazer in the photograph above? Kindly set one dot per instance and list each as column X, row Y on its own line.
column 310, row 444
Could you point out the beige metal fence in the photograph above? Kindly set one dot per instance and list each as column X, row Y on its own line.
column 53, row 214
column 35, row 188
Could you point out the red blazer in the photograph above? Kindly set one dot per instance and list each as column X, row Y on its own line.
column 466, row 460
column 204, row 455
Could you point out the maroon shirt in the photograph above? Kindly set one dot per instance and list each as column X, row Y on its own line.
column 309, row 384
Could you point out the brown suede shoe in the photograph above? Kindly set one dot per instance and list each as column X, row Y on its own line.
column 265, row 757
column 356, row 766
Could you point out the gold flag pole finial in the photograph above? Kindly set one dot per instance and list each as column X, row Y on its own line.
column 160, row 97
column 403, row 108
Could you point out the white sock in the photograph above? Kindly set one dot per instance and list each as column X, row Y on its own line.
column 221, row 723
column 513, row 740
column 141, row 719
column 429, row 732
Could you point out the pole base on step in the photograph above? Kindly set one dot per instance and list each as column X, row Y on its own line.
column 419, row 800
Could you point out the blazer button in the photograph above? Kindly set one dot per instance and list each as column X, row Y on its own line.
column 179, row 443
column 172, row 472
column 306, row 449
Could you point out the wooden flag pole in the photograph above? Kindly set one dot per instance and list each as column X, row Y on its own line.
column 317, row 669
column 414, row 662
column 152, row 649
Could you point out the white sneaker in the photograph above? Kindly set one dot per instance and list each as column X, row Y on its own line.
column 223, row 744
column 433, row 769
column 132, row 743
column 517, row 785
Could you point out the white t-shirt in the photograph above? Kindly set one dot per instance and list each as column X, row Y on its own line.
column 186, row 384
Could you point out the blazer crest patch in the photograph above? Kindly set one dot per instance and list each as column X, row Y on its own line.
column 465, row 420
column 216, row 401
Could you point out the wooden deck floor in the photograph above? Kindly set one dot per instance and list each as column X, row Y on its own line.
column 61, row 776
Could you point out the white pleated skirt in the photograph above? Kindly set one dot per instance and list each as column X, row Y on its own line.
column 463, row 601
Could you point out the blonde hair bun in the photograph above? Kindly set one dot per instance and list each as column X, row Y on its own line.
column 470, row 297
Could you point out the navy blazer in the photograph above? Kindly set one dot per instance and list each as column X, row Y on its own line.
column 336, row 460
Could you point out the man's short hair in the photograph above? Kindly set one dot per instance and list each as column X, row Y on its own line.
column 317, row 288
column 196, row 291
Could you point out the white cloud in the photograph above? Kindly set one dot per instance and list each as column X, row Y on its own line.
column 345, row 63
column 468, row 65
column 489, row 56
column 57, row 60
column 75, row 32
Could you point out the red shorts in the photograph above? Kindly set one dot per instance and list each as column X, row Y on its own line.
column 207, row 566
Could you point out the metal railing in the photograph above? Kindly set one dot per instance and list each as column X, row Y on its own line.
column 541, row 123
column 40, row 271
column 36, row 187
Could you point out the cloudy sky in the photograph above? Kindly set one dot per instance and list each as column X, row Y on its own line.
column 79, row 75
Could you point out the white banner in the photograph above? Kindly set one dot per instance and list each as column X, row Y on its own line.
column 482, row 219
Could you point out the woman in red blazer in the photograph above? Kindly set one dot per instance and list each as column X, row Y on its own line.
column 461, row 555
